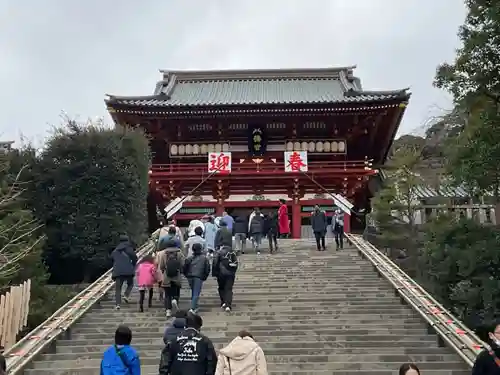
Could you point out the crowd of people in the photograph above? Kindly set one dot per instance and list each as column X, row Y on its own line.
column 208, row 246
column 187, row 351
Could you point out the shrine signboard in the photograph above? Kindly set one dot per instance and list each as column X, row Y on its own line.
column 296, row 161
column 219, row 162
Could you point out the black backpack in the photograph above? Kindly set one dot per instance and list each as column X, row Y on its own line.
column 230, row 261
column 173, row 266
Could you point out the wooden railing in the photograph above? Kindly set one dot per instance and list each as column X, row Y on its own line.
column 14, row 309
column 248, row 166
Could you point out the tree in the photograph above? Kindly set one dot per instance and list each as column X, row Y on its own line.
column 462, row 267
column 22, row 238
column 20, row 234
column 474, row 81
column 474, row 154
column 91, row 187
column 395, row 206
column 475, row 69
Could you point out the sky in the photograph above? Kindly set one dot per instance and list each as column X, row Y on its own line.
column 60, row 56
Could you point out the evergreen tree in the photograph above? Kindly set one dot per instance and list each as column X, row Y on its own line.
column 91, row 187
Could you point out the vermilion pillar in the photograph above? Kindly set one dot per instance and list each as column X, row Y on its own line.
column 219, row 208
column 347, row 223
column 296, row 218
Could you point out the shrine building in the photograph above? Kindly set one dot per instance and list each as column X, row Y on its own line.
column 248, row 122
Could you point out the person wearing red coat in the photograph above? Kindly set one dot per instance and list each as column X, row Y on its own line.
column 283, row 221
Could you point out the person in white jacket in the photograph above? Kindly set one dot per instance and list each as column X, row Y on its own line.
column 243, row 356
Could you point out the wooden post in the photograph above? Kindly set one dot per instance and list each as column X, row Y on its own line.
column 14, row 309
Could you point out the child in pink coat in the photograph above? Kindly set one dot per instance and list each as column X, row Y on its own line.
column 146, row 279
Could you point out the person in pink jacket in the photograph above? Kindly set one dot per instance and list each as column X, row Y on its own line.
column 146, row 280
column 243, row 356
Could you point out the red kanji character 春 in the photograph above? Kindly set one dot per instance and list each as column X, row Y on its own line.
column 219, row 163
column 295, row 162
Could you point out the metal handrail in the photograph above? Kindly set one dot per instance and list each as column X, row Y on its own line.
column 35, row 342
column 459, row 337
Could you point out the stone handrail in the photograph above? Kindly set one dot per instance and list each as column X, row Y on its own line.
column 450, row 330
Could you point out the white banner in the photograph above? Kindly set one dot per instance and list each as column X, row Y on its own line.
column 296, row 161
column 219, row 162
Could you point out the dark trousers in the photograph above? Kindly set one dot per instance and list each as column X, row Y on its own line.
column 320, row 237
column 339, row 238
column 172, row 291
column 225, row 289
column 119, row 281
column 142, row 295
column 273, row 241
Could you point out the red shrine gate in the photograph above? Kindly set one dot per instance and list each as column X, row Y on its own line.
column 291, row 134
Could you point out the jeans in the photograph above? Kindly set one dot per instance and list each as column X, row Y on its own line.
column 240, row 242
column 195, row 284
column 119, row 281
column 172, row 291
column 320, row 237
column 225, row 290
column 256, row 240
column 273, row 240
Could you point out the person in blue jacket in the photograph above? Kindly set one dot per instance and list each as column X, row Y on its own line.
column 121, row 358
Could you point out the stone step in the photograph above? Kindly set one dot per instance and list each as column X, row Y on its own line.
column 125, row 314
column 353, row 342
column 280, row 357
column 263, row 329
column 257, row 294
column 311, row 363
column 289, row 299
column 153, row 370
column 257, row 325
column 276, row 348
column 371, row 284
column 331, row 334
column 332, row 308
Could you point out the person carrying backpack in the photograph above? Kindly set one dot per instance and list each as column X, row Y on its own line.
column 224, row 267
column 197, row 270
column 171, row 263
column 121, row 358
column 124, row 261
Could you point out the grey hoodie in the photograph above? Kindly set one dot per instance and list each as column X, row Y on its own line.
column 124, row 258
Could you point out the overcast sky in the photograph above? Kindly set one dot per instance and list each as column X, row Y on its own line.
column 60, row 55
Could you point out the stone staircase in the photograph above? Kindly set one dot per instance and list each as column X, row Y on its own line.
column 312, row 312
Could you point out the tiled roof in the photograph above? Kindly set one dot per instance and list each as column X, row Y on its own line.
column 217, row 88
column 425, row 192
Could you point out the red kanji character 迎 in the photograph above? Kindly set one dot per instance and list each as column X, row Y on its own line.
column 219, row 163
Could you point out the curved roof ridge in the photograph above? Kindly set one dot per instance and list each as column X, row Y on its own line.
column 244, row 74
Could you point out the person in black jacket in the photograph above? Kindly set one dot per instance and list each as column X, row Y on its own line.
column 319, row 224
column 197, row 270
column 223, row 237
column 124, row 261
column 240, row 229
column 224, row 267
column 175, row 327
column 488, row 361
column 191, row 353
column 271, row 230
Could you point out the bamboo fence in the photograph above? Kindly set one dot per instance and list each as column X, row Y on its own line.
column 14, row 309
